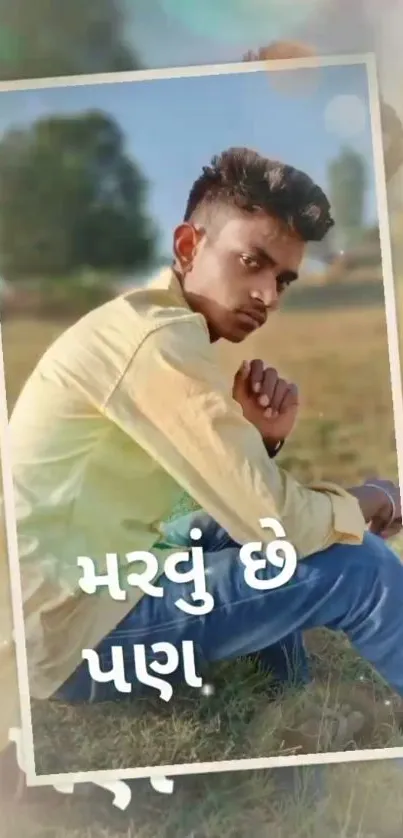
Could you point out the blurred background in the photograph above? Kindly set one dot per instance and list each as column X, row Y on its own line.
column 58, row 39
column 94, row 179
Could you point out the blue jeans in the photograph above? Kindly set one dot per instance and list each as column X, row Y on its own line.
column 354, row 589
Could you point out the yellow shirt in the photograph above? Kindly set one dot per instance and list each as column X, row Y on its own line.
column 124, row 411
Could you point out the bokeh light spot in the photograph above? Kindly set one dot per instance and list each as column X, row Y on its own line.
column 240, row 21
column 346, row 116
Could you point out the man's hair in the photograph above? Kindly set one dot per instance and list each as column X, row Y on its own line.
column 243, row 179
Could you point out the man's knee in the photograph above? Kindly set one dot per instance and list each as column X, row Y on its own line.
column 375, row 551
column 370, row 560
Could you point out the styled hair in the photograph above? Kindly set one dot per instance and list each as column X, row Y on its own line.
column 243, row 179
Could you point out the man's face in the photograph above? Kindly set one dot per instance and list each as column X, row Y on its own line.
column 235, row 275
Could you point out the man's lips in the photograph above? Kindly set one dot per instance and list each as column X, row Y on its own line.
column 252, row 318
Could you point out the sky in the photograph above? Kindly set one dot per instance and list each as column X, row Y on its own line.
column 168, row 33
column 174, row 126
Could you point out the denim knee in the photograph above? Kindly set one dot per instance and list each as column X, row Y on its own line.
column 377, row 553
column 363, row 573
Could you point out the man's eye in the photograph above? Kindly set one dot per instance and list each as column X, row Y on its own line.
column 250, row 262
column 282, row 284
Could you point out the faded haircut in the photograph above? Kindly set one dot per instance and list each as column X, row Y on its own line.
column 245, row 180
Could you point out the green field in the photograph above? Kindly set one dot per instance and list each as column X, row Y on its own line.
column 345, row 434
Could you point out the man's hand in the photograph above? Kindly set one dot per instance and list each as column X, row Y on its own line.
column 381, row 506
column 268, row 402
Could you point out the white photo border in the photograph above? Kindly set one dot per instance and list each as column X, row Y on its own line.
column 368, row 60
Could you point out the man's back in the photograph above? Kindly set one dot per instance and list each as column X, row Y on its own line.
column 82, row 486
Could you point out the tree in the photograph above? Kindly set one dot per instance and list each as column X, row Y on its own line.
column 42, row 38
column 347, row 185
column 71, row 198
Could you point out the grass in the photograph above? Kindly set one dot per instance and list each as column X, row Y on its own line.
column 362, row 801
column 345, row 434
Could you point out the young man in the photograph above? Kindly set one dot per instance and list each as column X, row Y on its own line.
column 128, row 409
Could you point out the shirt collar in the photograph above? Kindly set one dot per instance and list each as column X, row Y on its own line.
column 167, row 280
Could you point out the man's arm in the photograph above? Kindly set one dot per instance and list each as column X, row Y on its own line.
column 174, row 401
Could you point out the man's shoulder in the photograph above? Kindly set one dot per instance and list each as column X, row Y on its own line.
column 158, row 303
column 101, row 344
column 146, row 306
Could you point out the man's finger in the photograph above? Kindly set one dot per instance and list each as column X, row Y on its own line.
column 280, row 391
column 269, row 383
column 290, row 400
column 393, row 530
column 240, row 379
column 256, row 376
column 381, row 525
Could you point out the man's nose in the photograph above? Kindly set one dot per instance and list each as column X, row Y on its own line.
column 268, row 296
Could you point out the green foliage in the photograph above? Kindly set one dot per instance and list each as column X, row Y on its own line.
column 42, row 38
column 76, row 296
column 71, row 199
column 348, row 179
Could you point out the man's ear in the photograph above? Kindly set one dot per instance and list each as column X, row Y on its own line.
column 186, row 241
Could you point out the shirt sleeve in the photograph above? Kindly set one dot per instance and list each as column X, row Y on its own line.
column 176, row 403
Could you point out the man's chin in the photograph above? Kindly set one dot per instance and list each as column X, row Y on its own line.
column 229, row 337
column 239, row 335
column 232, row 337
column 234, row 334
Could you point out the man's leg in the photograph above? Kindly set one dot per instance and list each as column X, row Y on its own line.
column 354, row 589
column 286, row 661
